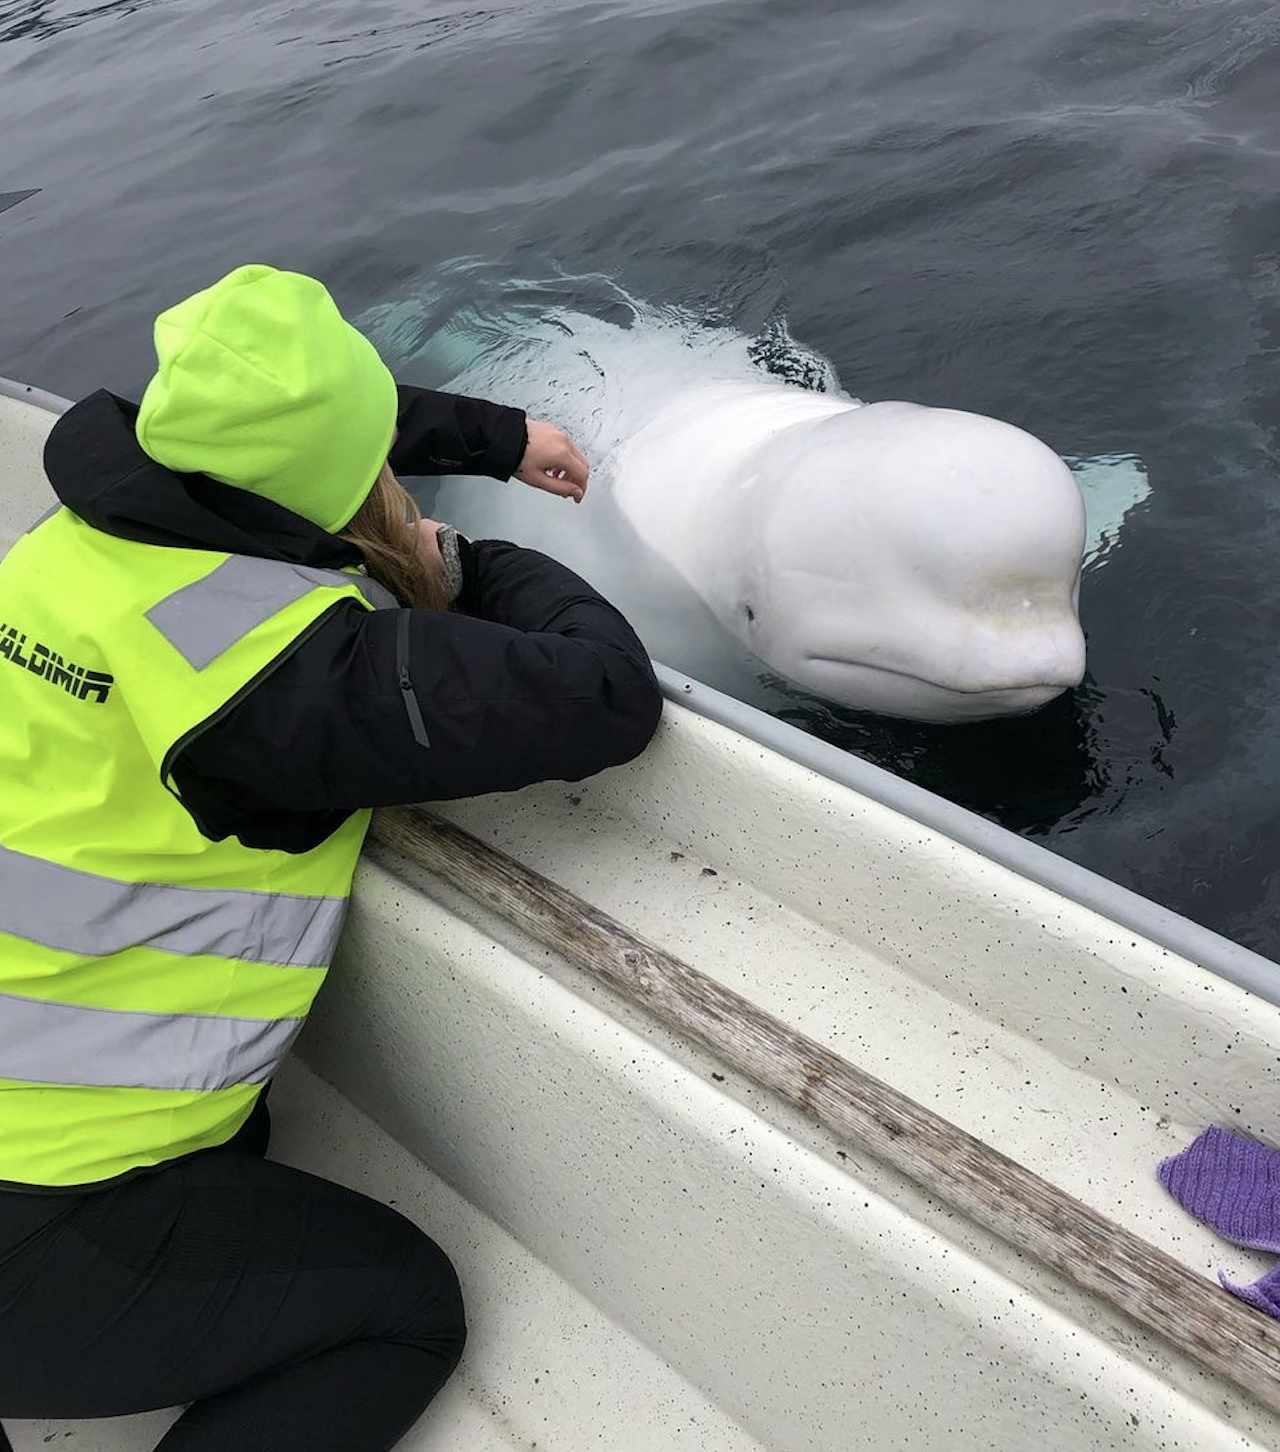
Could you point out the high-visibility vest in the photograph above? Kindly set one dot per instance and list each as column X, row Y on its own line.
column 151, row 979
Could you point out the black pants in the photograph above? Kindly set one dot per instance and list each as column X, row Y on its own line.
column 290, row 1313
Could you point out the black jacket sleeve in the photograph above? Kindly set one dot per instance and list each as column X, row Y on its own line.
column 444, row 433
column 540, row 679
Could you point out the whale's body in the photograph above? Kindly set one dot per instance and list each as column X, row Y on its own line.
column 914, row 561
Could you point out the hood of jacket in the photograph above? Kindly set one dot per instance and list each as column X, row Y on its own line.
column 99, row 471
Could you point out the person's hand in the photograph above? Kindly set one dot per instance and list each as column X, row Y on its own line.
column 553, row 462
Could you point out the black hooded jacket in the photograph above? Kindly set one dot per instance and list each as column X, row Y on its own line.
column 533, row 677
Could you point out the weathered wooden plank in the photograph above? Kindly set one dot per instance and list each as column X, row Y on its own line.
column 1190, row 1312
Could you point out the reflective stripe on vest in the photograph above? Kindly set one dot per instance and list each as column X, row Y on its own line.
column 80, row 912
column 209, row 616
column 108, row 1048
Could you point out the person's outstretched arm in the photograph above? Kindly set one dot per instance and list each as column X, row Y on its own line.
column 446, row 433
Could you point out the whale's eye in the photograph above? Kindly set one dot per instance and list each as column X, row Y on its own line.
column 751, row 614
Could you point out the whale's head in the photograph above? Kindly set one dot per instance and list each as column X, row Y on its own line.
column 917, row 561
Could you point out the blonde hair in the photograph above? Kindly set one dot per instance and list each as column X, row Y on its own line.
column 385, row 531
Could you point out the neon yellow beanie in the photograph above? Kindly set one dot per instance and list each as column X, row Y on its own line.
column 263, row 384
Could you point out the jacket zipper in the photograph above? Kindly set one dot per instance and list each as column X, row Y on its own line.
column 406, row 684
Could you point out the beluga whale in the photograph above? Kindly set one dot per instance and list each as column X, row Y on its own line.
column 920, row 562
column 761, row 526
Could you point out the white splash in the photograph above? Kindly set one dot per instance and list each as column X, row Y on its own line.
column 1113, row 485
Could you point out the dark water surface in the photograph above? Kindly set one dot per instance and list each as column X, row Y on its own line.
column 1067, row 217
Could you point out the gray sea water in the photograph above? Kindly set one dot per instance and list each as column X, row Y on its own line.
column 1064, row 216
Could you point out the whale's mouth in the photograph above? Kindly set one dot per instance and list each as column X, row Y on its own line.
column 903, row 693
column 860, row 665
